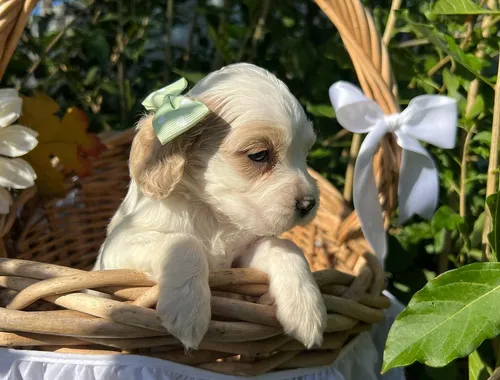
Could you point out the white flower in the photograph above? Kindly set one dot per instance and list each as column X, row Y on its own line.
column 10, row 106
column 15, row 140
column 15, row 173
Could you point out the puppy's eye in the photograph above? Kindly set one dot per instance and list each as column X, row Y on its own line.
column 262, row 156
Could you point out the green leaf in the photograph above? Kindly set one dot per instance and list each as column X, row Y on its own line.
column 109, row 87
column 96, row 47
column 483, row 136
column 429, row 275
column 109, row 17
column 91, row 74
column 191, row 76
column 451, row 81
column 477, row 108
column 478, row 370
column 320, row 153
column 475, row 254
column 401, row 287
column 494, row 236
column 221, row 45
column 448, row 45
column 447, row 319
column 446, row 218
column 288, row 22
column 429, row 86
column 477, row 231
column 321, row 110
column 481, row 151
column 460, row 7
column 413, row 234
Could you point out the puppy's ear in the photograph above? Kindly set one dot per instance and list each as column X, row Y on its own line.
column 157, row 169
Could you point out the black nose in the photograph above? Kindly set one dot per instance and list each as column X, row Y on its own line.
column 305, row 205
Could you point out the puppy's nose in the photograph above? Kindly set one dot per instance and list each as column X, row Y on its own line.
column 305, row 205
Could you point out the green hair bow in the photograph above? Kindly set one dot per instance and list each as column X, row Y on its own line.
column 174, row 113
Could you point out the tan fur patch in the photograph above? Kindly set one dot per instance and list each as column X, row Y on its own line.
column 244, row 141
column 158, row 169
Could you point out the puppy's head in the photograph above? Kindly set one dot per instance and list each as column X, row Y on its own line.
column 247, row 160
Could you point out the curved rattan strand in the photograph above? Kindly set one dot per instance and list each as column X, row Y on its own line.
column 9, row 12
column 8, row 339
column 68, row 284
column 59, row 242
column 18, row 11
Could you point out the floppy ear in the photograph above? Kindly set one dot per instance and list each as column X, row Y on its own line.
column 157, row 169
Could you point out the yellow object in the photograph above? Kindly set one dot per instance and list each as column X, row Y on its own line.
column 63, row 142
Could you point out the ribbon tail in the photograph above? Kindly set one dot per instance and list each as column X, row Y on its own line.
column 365, row 194
column 418, row 183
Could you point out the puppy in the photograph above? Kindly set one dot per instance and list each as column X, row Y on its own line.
column 219, row 196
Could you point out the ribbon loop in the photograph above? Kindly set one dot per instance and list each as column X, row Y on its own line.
column 174, row 112
column 433, row 119
column 429, row 118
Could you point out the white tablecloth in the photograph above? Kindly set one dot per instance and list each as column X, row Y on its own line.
column 360, row 360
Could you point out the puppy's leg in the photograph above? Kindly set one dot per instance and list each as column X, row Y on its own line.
column 179, row 264
column 300, row 306
column 184, row 294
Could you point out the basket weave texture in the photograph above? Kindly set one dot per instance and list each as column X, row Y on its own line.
column 54, row 243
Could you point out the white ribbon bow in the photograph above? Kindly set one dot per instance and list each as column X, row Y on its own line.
column 430, row 118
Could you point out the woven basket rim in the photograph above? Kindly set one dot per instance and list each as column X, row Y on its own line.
column 130, row 324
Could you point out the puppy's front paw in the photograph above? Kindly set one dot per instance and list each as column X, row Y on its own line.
column 300, row 310
column 185, row 311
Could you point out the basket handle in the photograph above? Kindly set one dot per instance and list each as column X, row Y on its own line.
column 371, row 61
column 14, row 15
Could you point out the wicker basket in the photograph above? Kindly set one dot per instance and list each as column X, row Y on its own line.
column 46, row 261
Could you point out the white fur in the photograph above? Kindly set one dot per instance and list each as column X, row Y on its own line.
column 216, row 217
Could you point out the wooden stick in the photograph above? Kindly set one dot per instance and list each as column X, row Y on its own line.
column 133, row 343
column 259, row 347
column 236, row 276
column 256, row 290
column 353, row 309
column 32, row 269
column 8, row 339
column 86, row 280
column 149, row 298
column 83, row 351
column 239, row 332
column 374, row 301
column 54, row 323
column 16, row 33
column 338, row 322
column 245, row 311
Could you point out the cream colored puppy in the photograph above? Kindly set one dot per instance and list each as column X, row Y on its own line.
column 219, row 196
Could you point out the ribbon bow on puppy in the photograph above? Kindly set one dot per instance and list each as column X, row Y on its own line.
column 174, row 113
column 430, row 118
